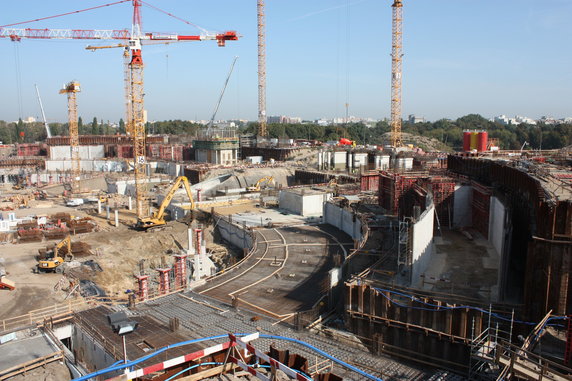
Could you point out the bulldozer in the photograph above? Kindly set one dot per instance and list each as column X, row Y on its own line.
column 257, row 187
column 53, row 259
column 157, row 218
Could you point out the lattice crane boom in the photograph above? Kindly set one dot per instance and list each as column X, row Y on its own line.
column 396, row 72
column 71, row 89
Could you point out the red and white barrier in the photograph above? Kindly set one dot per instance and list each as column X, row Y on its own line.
column 181, row 359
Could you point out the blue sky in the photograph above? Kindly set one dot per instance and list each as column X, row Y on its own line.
column 461, row 56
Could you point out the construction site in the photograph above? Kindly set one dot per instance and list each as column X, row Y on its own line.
column 137, row 257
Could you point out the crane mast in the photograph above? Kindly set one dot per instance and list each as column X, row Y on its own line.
column 396, row 71
column 262, row 127
column 71, row 89
column 137, row 108
column 127, row 82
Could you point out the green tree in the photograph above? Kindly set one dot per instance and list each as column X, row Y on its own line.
column 121, row 126
column 94, row 126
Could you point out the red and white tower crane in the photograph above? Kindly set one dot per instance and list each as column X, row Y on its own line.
column 135, row 39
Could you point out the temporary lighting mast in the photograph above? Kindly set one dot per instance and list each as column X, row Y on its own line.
column 262, row 127
column 71, row 89
column 396, row 67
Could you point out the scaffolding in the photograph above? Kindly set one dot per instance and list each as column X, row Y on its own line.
column 403, row 256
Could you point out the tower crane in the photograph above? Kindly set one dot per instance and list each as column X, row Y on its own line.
column 262, row 127
column 396, row 71
column 71, row 89
column 134, row 40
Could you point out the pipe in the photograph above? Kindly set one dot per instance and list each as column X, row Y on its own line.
column 192, row 367
column 262, row 336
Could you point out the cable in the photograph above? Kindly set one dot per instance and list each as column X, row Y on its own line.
column 175, row 17
column 193, row 367
column 262, row 336
column 65, row 14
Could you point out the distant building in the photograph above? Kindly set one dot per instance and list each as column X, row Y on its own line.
column 282, row 119
column 504, row 120
column 413, row 119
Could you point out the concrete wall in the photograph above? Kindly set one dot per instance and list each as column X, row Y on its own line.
column 497, row 224
column 462, row 210
column 359, row 159
column 234, row 234
column 381, row 162
column 90, row 353
column 127, row 187
column 87, row 165
column 304, row 205
column 422, row 243
column 339, row 159
column 343, row 219
column 85, row 152
column 168, row 168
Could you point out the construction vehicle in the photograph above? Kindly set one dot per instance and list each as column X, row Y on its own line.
column 53, row 259
column 256, row 187
column 346, row 142
column 157, row 219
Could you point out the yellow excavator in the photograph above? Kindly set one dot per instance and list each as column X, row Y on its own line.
column 256, row 187
column 157, row 219
column 54, row 260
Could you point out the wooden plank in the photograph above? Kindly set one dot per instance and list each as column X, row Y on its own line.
column 208, row 373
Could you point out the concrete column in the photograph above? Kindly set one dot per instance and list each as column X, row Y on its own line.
column 180, row 270
column 143, row 281
column 116, row 218
column 107, row 212
column 191, row 249
column 98, row 206
column 130, row 200
column 199, row 195
column 164, row 281
column 199, row 239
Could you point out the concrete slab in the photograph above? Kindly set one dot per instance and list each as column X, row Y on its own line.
column 24, row 350
column 462, row 266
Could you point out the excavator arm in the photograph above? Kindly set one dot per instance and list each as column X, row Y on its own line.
column 159, row 214
column 64, row 242
column 256, row 186
column 157, row 218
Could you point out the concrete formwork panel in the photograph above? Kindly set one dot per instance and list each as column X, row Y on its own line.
column 422, row 243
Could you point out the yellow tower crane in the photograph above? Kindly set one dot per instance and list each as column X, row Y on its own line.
column 71, row 89
column 262, row 127
column 396, row 71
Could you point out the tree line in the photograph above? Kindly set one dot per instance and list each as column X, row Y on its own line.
column 446, row 131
